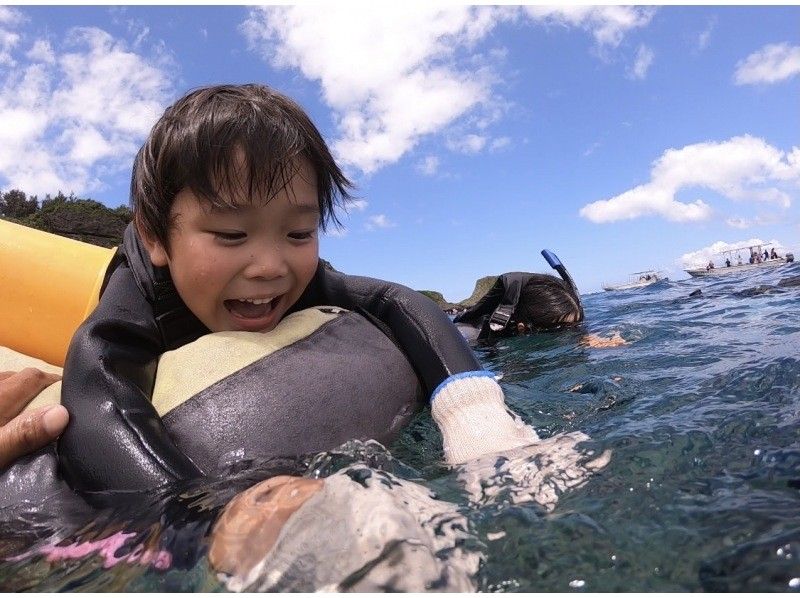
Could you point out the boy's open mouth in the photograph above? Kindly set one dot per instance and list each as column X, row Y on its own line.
column 251, row 309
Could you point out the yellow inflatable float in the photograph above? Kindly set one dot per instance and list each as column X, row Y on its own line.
column 48, row 285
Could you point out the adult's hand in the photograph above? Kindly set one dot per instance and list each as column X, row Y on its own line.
column 599, row 342
column 23, row 433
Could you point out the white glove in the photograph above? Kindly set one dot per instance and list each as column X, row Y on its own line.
column 505, row 457
column 472, row 416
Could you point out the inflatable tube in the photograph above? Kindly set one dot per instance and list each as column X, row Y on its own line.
column 50, row 284
column 322, row 377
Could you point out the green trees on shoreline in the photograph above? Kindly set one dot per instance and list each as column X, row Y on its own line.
column 67, row 215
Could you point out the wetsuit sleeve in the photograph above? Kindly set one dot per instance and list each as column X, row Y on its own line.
column 115, row 439
column 433, row 345
column 485, row 306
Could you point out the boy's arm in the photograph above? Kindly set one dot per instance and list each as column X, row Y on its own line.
column 466, row 402
column 115, row 439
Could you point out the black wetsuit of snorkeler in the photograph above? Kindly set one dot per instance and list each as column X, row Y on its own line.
column 116, row 440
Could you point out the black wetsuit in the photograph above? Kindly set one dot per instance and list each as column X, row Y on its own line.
column 115, row 439
column 505, row 292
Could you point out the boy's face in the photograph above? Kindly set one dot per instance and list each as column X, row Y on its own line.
column 243, row 268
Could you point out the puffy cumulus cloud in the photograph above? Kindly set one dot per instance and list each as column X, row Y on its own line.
column 742, row 168
column 379, row 221
column 701, row 257
column 770, row 64
column 641, row 63
column 72, row 111
column 385, row 106
column 607, row 24
column 430, row 74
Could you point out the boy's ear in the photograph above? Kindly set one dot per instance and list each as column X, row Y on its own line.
column 158, row 255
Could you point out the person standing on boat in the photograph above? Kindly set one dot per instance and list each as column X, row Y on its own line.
column 727, row 262
column 710, row 265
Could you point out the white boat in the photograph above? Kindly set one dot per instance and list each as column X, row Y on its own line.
column 637, row 280
column 755, row 261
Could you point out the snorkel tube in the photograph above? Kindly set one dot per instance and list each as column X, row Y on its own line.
column 556, row 265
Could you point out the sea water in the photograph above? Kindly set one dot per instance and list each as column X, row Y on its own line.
column 699, row 412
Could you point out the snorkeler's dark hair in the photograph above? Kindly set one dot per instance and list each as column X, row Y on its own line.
column 199, row 142
column 546, row 301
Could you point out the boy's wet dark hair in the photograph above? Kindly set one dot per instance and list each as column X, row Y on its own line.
column 547, row 302
column 199, row 141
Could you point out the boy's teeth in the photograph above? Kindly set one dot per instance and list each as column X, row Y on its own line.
column 256, row 301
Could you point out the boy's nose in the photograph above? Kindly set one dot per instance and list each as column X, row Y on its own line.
column 267, row 265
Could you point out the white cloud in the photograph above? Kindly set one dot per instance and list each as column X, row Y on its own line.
column 704, row 36
column 701, row 257
column 9, row 39
column 737, row 222
column 642, row 63
column 742, row 168
column 429, row 166
column 429, row 76
column 607, row 24
column 499, row 143
column 468, row 144
column 383, row 106
column 770, row 64
column 379, row 221
column 759, row 220
column 71, row 110
column 41, row 51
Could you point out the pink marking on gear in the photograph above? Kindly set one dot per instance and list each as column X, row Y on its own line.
column 108, row 547
column 81, row 549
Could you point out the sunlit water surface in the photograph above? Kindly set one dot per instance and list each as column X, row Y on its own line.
column 700, row 411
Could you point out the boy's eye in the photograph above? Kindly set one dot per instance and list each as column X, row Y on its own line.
column 229, row 236
column 302, row 235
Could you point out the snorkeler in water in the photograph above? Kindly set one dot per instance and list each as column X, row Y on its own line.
column 537, row 301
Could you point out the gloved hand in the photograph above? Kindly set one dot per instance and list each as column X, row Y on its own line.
column 471, row 413
column 498, row 454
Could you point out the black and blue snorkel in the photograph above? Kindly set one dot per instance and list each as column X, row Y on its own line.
column 556, row 265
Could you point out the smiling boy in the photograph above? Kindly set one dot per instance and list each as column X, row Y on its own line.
column 229, row 192
column 243, row 267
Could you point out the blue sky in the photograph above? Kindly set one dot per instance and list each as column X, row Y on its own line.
column 622, row 138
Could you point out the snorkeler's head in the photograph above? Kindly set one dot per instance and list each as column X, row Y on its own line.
column 547, row 302
column 226, row 142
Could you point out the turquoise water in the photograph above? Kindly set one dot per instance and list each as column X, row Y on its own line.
column 700, row 412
